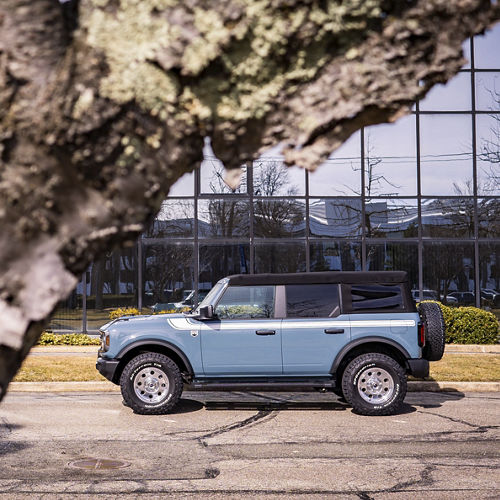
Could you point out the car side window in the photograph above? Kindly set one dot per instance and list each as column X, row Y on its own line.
column 377, row 297
column 312, row 301
column 246, row 302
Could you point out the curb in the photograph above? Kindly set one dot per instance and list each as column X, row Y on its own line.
column 413, row 386
column 435, row 386
column 472, row 348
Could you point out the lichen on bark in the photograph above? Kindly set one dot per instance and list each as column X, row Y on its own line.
column 99, row 121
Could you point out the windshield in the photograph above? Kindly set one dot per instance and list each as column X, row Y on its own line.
column 212, row 294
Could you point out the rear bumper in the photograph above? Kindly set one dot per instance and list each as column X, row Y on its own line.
column 107, row 367
column 419, row 368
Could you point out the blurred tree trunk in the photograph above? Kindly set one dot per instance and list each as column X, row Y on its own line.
column 105, row 104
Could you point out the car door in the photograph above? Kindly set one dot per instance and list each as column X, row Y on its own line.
column 314, row 330
column 244, row 339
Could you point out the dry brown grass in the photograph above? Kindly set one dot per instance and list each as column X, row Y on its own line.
column 58, row 369
column 467, row 368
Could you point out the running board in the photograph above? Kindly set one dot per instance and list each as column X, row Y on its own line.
column 286, row 385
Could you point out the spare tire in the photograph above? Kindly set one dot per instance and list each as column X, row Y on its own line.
column 434, row 327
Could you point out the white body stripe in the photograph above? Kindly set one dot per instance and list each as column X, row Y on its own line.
column 187, row 323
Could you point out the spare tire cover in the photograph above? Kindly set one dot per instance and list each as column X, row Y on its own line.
column 432, row 318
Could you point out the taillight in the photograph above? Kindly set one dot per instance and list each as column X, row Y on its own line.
column 421, row 335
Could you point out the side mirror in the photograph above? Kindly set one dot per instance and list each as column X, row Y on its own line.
column 207, row 312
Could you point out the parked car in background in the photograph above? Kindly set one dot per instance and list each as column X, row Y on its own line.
column 426, row 295
column 184, row 305
column 461, row 298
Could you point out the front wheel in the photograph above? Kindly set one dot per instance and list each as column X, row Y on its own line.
column 151, row 384
column 374, row 384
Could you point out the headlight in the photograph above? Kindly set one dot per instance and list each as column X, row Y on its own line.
column 104, row 341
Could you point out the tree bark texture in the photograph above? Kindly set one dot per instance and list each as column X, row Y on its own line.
column 104, row 104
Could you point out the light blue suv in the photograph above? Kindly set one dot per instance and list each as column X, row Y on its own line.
column 357, row 334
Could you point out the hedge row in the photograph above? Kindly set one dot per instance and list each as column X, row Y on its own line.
column 132, row 311
column 469, row 325
column 67, row 339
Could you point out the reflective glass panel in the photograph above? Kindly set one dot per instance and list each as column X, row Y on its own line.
column 223, row 218
column 213, row 177
column 68, row 315
column 168, row 274
column 488, row 154
column 175, row 219
column 466, row 51
column 489, row 276
column 280, row 257
column 312, row 301
column 335, row 217
column 394, row 257
column 271, row 177
column 184, row 186
column 489, row 217
column 340, row 175
column 111, row 283
column 486, row 53
column 335, row 256
column 446, row 154
column 488, row 91
column 277, row 218
column 448, row 218
column 454, row 95
column 390, row 159
column 218, row 261
column 448, row 270
column 391, row 218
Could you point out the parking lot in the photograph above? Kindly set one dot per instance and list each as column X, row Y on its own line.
column 252, row 445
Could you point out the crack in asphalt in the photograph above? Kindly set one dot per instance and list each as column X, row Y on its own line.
column 250, row 421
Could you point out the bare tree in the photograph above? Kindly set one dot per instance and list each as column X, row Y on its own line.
column 105, row 107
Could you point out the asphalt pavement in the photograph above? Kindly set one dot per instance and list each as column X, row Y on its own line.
column 249, row 445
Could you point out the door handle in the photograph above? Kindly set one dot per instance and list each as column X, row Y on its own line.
column 265, row 332
column 334, row 330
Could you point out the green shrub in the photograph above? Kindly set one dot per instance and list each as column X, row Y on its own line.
column 469, row 325
column 124, row 311
column 67, row 339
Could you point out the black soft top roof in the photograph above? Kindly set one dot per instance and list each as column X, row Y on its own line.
column 353, row 277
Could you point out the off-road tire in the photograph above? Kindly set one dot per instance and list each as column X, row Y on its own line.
column 379, row 375
column 432, row 318
column 151, row 384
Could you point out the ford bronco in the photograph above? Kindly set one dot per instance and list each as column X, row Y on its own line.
column 357, row 334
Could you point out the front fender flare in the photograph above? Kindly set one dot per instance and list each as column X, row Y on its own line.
column 157, row 342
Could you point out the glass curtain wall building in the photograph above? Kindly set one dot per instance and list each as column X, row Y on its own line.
column 421, row 195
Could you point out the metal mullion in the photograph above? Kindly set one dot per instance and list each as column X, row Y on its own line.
column 363, row 199
column 477, row 284
column 84, row 302
column 420, row 245
column 308, row 256
column 196, row 250
column 252, row 212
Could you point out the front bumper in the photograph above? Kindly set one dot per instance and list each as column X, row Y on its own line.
column 419, row 368
column 107, row 367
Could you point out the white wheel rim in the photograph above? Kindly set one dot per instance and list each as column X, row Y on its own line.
column 375, row 385
column 151, row 385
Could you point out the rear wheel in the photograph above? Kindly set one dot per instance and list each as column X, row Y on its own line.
column 374, row 384
column 151, row 384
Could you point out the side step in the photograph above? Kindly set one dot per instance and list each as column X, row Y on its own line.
column 263, row 384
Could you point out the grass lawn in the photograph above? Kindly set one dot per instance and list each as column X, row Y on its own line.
column 58, row 369
column 452, row 368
